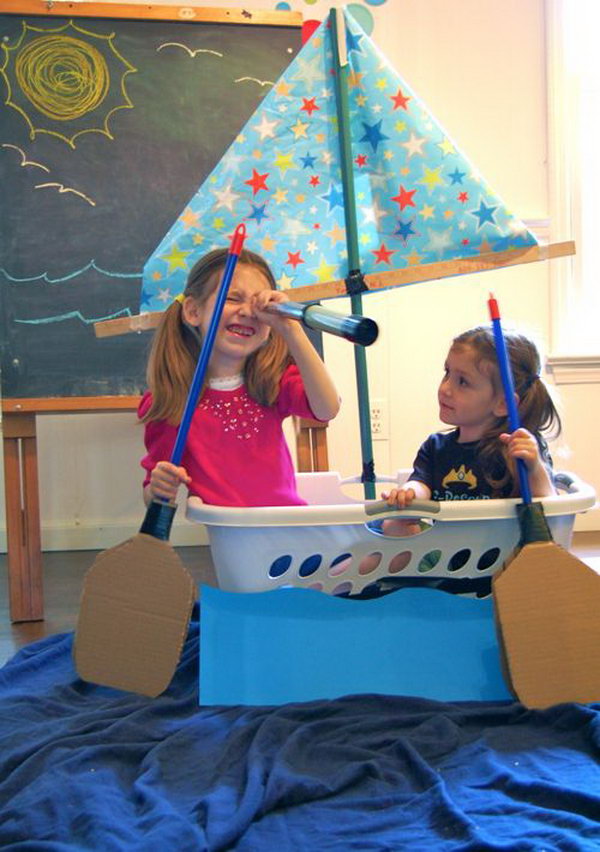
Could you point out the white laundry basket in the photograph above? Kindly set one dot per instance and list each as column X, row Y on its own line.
column 322, row 545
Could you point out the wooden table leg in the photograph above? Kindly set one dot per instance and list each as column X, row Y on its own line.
column 311, row 446
column 25, row 579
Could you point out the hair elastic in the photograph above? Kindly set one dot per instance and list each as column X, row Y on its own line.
column 179, row 298
column 529, row 382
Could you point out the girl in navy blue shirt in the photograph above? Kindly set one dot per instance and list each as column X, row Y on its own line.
column 477, row 459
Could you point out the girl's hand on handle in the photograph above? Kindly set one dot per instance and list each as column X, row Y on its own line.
column 165, row 480
column 399, row 498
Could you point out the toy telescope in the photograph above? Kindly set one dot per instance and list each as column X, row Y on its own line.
column 357, row 329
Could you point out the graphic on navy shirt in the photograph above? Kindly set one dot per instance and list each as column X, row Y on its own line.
column 450, row 469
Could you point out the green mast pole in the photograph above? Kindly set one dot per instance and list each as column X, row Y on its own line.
column 354, row 282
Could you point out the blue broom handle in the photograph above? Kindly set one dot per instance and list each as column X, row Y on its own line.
column 509, row 391
column 237, row 243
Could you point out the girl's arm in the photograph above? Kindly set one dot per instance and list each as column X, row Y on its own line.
column 320, row 389
column 522, row 444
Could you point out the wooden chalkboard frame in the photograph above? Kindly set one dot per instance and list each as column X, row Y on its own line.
column 149, row 11
column 19, row 414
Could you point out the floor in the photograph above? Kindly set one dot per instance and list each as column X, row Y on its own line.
column 64, row 573
column 63, row 579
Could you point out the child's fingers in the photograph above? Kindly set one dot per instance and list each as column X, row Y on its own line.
column 260, row 305
column 263, row 298
column 526, row 450
column 166, row 478
column 399, row 498
column 171, row 472
column 183, row 476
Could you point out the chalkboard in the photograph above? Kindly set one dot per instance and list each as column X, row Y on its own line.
column 107, row 128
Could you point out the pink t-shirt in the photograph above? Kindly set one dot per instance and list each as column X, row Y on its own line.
column 236, row 452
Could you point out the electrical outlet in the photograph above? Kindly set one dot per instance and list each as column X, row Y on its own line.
column 379, row 420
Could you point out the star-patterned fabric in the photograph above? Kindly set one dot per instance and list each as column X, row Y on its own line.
column 418, row 198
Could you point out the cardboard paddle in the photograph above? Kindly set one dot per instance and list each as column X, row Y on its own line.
column 547, row 602
column 138, row 596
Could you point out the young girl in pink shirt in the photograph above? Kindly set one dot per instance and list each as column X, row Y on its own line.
column 262, row 369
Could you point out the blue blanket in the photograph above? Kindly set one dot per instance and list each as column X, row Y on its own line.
column 86, row 767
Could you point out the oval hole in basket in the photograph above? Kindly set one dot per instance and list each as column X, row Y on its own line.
column 280, row 565
column 399, row 562
column 487, row 559
column 317, row 587
column 459, row 559
column 310, row 565
column 429, row 561
column 370, row 562
column 340, row 564
column 343, row 589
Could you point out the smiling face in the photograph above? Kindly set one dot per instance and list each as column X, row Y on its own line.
column 466, row 395
column 240, row 333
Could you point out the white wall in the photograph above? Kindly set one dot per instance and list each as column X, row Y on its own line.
column 479, row 66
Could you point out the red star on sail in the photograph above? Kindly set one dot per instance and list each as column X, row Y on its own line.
column 383, row 254
column 309, row 105
column 361, row 160
column 294, row 258
column 405, row 198
column 257, row 182
column 399, row 99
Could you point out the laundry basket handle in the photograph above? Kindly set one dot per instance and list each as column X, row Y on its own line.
column 417, row 507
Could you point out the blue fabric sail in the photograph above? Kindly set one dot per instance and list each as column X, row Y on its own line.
column 419, row 200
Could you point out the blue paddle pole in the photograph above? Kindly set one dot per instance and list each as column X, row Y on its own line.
column 159, row 515
column 509, row 391
column 237, row 243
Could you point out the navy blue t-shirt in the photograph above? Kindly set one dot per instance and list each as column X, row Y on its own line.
column 453, row 472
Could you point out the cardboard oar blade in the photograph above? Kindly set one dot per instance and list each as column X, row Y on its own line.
column 546, row 600
column 136, row 604
column 547, row 605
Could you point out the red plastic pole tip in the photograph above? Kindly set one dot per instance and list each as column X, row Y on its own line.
column 237, row 243
column 494, row 309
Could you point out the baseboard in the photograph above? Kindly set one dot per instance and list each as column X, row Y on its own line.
column 90, row 537
column 183, row 534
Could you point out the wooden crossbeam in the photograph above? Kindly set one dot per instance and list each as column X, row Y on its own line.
column 375, row 281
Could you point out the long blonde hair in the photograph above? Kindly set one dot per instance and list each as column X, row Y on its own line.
column 176, row 346
column 536, row 409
